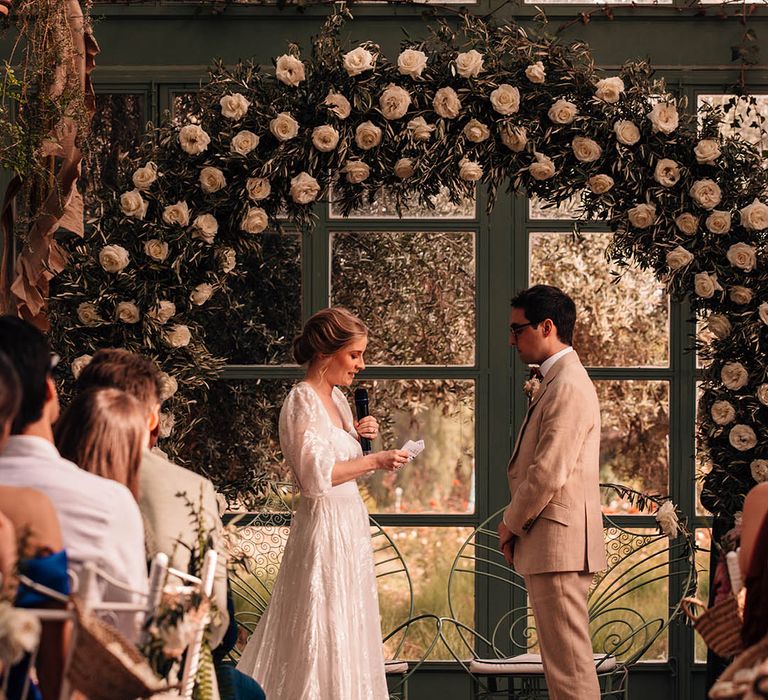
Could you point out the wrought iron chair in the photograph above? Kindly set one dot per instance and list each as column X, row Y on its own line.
column 639, row 558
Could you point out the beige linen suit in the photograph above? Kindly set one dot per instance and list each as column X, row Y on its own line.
column 555, row 516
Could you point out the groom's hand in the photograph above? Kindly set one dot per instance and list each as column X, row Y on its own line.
column 507, row 543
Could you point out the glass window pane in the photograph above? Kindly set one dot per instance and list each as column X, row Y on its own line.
column 704, row 545
column 415, row 291
column 385, row 207
column 185, row 107
column 702, row 461
column 634, row 443
column 442, row 478
column 742, row 114
column 621, row 322
column 539, row 209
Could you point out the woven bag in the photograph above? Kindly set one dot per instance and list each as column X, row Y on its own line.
column 738, row 679
column 720, row 625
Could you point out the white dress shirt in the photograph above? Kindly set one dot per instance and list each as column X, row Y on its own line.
column 99, row 518
column 549, row 363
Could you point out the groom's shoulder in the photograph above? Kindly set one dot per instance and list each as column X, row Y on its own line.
column 158, row 468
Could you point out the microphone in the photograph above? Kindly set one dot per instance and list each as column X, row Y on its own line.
column 361, row 409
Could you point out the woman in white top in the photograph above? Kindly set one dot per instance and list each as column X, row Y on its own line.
column 320, row 637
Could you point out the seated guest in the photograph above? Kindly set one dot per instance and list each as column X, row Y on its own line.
column 753, row 561
column 100, row 521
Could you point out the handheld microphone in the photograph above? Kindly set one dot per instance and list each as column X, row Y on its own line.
column 361, row 409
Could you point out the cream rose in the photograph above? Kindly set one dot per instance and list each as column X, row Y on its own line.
column 166, row 425
column 284, row 127
column 132, row 204
column 762, row 312
column 205, row 227
column 412, row 62
column 642, row 215
column 600, row 183
column 168, row 386
column 586, row 150
column 258, row 188
column 193, row 139
column 740, row 295
column 201, row 293
column 759, row 470
column 705, row 285
column 156, row 249
column 762, row 394
column 394, row 102
column 212, row 180
column 475, row 131
column 304, row 188
column 667, row 172
column 543, row 168
column 289, row 70
column 227, row 259
column 719, row 222
column 609, row 90
column 325, row 138
column 687, row 223
column 626, row 132
column 88, row 313
column 754, row 216
column 420, row 129
column 145, row 176
column 367, row 136
column 234, row 106
column 447, row 103
column 127, row 312
column 505, row 99
column 176, row 214
column 254, row 221
column 723, row 412
column 742, row 437
column 404, row 168
column 719, row 326
column 515, row 138
column 678, row 258
column 706, row 193
column 163, row 311
column 338, row 104
column 358, row 61
column 79, row 364
column 536, row 73
column 663, row 118
column 178, row 336
column 243, row 142
column 734, row 375
column 742, row 256
column 470, row 170
column 562, row 112
column 469, row 64
column 356, row 171
column 113, row 258
column 706, row 151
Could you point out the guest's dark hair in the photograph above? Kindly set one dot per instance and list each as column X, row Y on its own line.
column 10, row 391
column 543, row 301
column 327, row 332
column 104, row 431
column 27, row 349
column 120, row 369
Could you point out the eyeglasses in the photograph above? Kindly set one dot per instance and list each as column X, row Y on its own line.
column 515, row 328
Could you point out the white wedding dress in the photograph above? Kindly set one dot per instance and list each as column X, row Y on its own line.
column 320, row 637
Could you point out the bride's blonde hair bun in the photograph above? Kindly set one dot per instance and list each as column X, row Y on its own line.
column 327, row 332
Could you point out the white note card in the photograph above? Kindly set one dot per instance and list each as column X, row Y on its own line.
column 413, row 448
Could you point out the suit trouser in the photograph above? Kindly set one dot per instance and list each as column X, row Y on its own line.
column 559, row 603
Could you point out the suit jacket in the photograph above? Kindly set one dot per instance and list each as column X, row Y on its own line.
column 168, row 524
column 553, row 476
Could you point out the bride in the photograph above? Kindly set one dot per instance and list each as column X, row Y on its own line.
column 320, row 637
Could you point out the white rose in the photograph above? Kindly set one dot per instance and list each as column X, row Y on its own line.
column 200, row 294
column 586, row 150
column 163, row 311
column 79, row 364
column 687, row 223
column 742, row 437
column 164, row 430
column 412, row 62
column 145, row 176
column 470, row 170
column 475, row 131
column 212, row 180
column 284, row 127
column 234, row 106
column 740, row 295
column 178, row 336
column 536, row 73
column 193, row 139
column 127, row 312
column 258, row 188
column 666, row 517
column 447, row 103
column 762, row 394
column 719, row 222
column 705, row 285
column 515, row 138
column 227, row 259
column 304, row 188
column 723, row 412
column 562, row 112
column 543, row 168
column 367, row 136
column 754, row 216
column 667, row 172
column 243, row 142
column 132, row 204
column 420, row 129
column 762, row 312
column 678, row 258
column 759, row 470
column 609, row 89
column 642, row 215
column 113, row 258
column 626, row 132
column 600, row 183
column 358, row 61
column 356, row 171
column 505, row 99
column 663, row 118
column 156, row 249
column 205, row 227
column 289, row 70
column 338, row 104
column 176, row 214
column 706, row 193
column 168, row 386
column 254, row 221
column 394, row 102
column 742, row 256
column 734, row 375
column 88, row 313
column 404, row 168
column 325, row 138
column 469, row 64
column 719, row 326
column 706, row 151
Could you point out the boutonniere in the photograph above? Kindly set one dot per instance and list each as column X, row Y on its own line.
column 531, row 387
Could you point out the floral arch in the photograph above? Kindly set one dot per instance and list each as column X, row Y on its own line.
column 484, row 103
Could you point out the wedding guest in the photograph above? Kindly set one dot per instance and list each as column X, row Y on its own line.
column 10, row 397
column 100, row 521
column 753, row 560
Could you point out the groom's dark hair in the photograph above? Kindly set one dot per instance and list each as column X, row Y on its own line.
column 543, row 301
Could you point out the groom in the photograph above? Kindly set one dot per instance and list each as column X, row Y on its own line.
column 552, row 529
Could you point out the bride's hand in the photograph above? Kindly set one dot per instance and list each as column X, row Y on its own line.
column 390, row 460
column 367, row 427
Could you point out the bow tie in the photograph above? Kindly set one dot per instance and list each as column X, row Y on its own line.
column 536, row 374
